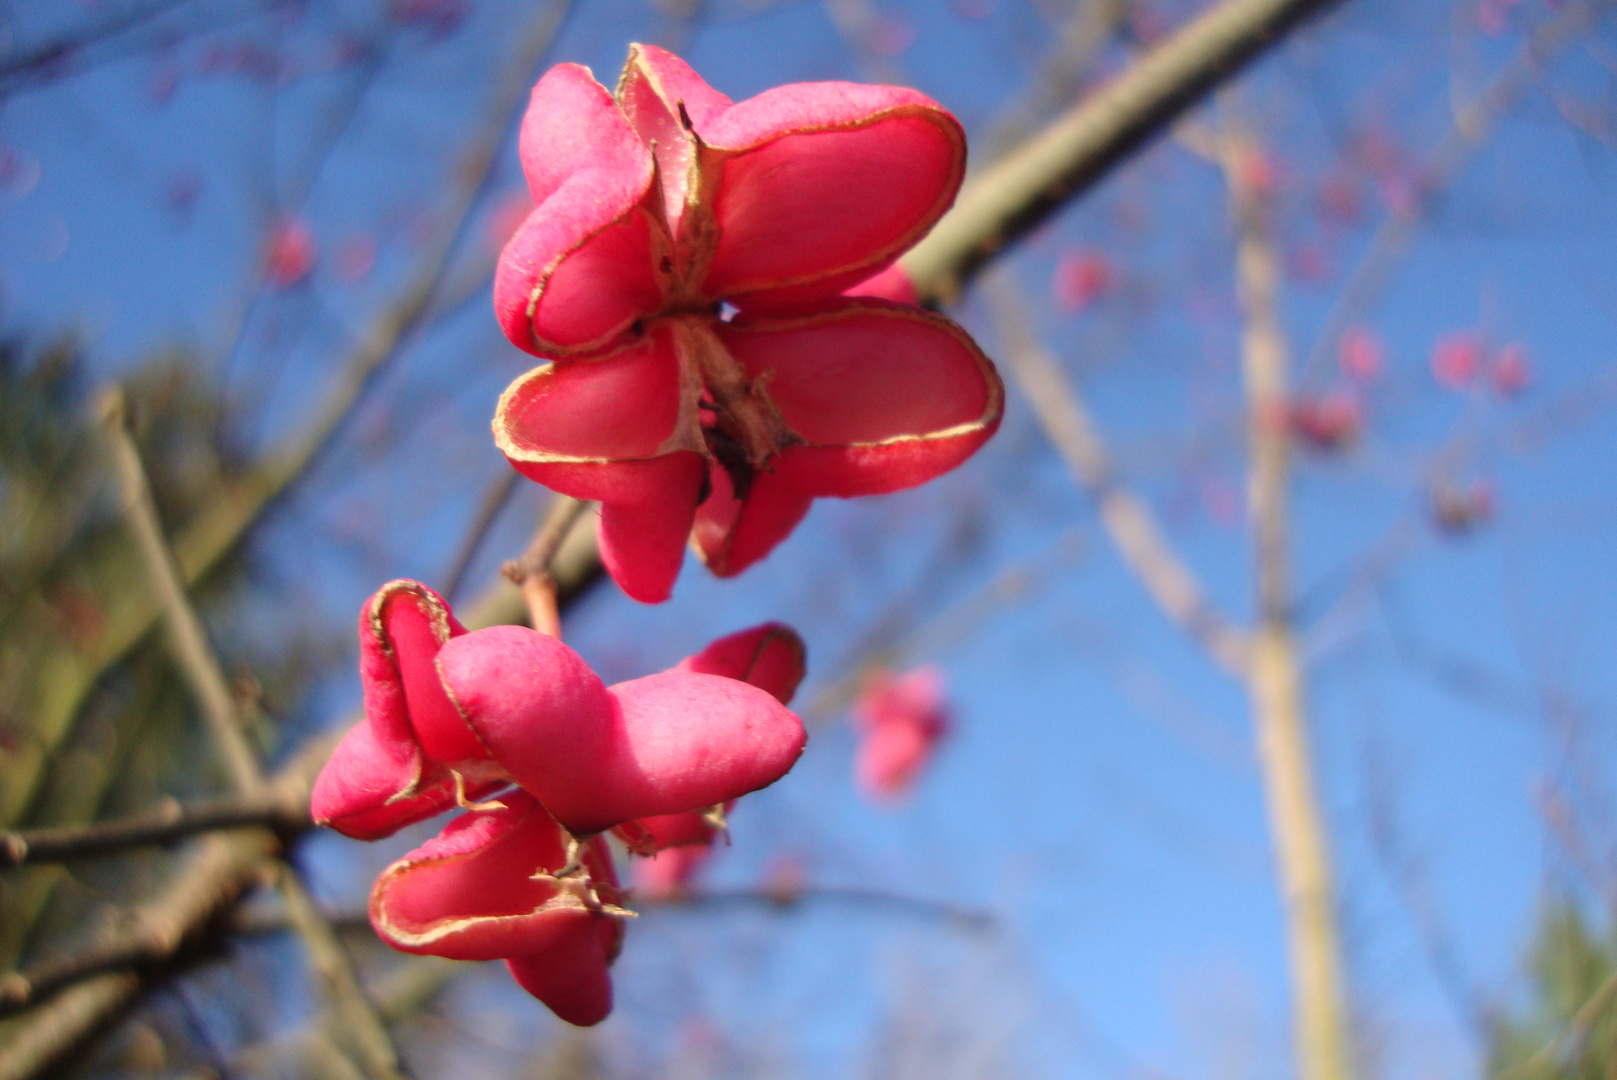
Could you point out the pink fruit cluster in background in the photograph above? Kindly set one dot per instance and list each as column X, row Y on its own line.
column 684, row 270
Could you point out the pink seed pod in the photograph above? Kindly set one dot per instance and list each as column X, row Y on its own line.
column 598, row 756
column 770, row 657
column 900, row 720
column 487, row 888
column 452, row 716
column 684, row 270
column 394, row 767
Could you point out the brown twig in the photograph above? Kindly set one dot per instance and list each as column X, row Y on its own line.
column 197, row 661
column 217, row 868
column 967, row 615
column 1128, row 521
column 1274, row 678
column 1021, row 190
column 972, row 919
column 169, row 821
column 532, row 573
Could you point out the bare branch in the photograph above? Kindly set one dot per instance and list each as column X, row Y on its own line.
column 1550, row 1059
column 1014, row 195
column 1274, row 681
column 196, row 657
column 216, row 870
column 494, row 500
column 1127, row 520
column 170, row 821
column 40, row 60
column 531, row 572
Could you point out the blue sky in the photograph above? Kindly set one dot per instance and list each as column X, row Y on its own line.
column 1099, row 796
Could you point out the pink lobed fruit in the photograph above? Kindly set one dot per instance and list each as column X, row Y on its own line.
column 504, row 705
column 684, row 269
column 472, row 893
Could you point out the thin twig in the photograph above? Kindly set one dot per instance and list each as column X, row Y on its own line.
column 972, row 919
column 1274, row 679
column 488, row 509
column 1128, row 521
column 196, row 657
column 967, row 615
column 531, row 572
column 1021, row 190
column 359, row 1020
column 170, row 821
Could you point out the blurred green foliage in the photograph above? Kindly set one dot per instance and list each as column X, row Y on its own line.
column 1567, row 1028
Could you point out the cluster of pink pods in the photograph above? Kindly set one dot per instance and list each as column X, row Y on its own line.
column 516, row 718
column 726, row 338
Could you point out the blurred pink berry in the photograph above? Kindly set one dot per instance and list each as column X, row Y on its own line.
column 1456, row 358
column 1458, row 510
column 1361, row 354
column 1081, row 277
column 1309, row 264
column 291, row 252
column 892, row 35
column 900, row 720
column 784, row 878
column 1331, row 422
column 1339, row 198
column 1512, row 371
column 1258, row 172
column 1493, row 16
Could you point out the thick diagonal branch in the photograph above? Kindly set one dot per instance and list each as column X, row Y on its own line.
column 1021, row 190
column 1128, row 521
